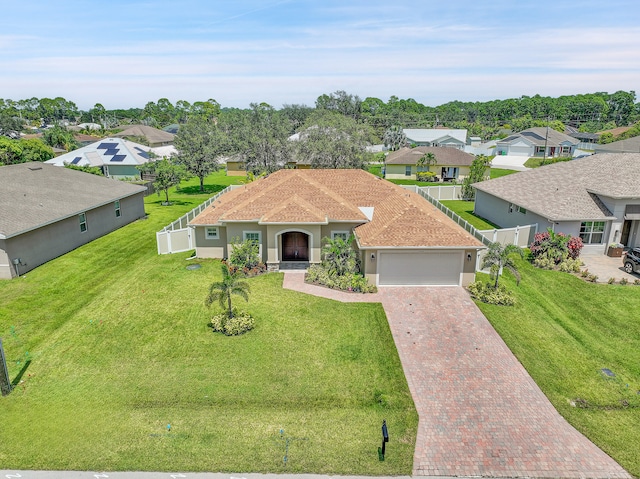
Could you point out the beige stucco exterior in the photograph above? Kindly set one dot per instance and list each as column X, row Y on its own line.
column 236, row 168
column 36, row 247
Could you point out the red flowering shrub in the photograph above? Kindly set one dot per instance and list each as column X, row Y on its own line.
column 575, row 246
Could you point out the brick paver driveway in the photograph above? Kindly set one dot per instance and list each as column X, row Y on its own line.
column 480, row 413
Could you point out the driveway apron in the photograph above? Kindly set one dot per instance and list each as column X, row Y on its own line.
column 480, row 412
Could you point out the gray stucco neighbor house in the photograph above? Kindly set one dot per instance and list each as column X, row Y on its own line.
column 596, row 198
column 47, row 211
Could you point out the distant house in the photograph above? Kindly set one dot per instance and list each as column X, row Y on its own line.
column 152, row 136
column 48, row 211
column 452, row 138
column 117, row 158
column 596, row 198
column 630, row 145
column 401, row 238
column 537, row 142
column 452, row 164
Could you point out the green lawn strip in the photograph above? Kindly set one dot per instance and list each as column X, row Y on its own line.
column 464, row 209
column 498, row 172
column 565, row 331
column 120, row 348
column 418, row 183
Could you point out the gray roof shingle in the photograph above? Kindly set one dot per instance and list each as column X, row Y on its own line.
column 569, row 190
column 36, row 194
column 445, row 156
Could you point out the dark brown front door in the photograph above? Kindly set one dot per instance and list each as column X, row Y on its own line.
column 295, row 247
column 626, row 229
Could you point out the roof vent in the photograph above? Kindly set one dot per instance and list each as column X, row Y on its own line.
column 35, row 168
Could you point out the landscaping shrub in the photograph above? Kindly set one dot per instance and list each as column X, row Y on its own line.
column 244, row 254
column 636, row 282
column 570, row 265
column 426, row 176
column 551, row 250
column 355, row 282
column 487, row 293
column 592, row 277
column 240, row 323
column 624, row 281
column 611, row 280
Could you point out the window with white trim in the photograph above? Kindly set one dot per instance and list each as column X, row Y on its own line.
column 118, row 212
column 340, row 234
column 83, row 222
column 407, row 170
column 211, row 232
column 592, row 232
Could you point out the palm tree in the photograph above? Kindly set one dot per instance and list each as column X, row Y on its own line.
column 339, row 257
column 394, row 138
column 221, row 291
column 427, row 160
column 499, row 257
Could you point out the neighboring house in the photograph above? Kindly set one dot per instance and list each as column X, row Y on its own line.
column 153, row 136
column 49, row 211
column 537, row 142
column 596, row 198
column 451, row 138
column 452, row 164
column 402, row 238
column 117, row 158
column 235, row 166
column 630, row 145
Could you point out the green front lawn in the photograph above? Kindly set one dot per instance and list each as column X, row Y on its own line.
column 498, row 172
column 565, row 331
column 119, row 348
column 464, row 209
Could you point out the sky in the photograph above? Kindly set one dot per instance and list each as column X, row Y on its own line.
column 124, row 54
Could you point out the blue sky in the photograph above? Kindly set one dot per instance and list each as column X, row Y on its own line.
column 125, row 53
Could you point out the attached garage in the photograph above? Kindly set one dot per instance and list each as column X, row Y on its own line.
column 420, row 268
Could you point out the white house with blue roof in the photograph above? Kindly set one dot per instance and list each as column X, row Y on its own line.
column 116, row 157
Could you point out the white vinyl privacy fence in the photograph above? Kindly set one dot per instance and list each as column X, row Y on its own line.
column 520, row 236
column 178, row 237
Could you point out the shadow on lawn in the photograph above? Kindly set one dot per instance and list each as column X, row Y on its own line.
column 17, row 379
column 195, row 190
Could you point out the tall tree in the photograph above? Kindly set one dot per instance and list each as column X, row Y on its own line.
column 166, row 173
column 60, row 137
column 201, row 144
column 221, row 291
column 394, row 138
column 476, row 174
column 333, row 141
column 262, row 139
column 499, row 257
column 428, row 160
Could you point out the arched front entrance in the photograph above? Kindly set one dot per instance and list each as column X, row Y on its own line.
column 295, row 246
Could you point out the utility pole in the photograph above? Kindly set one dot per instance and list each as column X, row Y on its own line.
column 546, row 139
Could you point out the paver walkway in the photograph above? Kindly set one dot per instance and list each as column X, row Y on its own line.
column 480, row 412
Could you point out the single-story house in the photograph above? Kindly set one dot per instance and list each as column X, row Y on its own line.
column 630, row 145
column 452, row 138
column 537, row 142
column 48, row 211
column 452, row 164
column 153, row 136
column 596, row 198
column 116, row 157
column 402, row 239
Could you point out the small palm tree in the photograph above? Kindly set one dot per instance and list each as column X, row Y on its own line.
column 499, row 257
column 427, row 160
column 221, row 291
column 339, row 257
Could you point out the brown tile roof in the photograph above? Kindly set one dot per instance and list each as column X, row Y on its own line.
column 400, row 218
column 153, row 135
column 568, row 190
column 445, row 156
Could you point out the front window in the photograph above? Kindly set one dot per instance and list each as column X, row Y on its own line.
column 83, row 222
column 212, row 232
column 117, row 205
column 340, row 234
column 591, row 232
column 407, row 171
column 255, row 237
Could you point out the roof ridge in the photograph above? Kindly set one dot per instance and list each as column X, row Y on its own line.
column 297, row 201
column 331, row 193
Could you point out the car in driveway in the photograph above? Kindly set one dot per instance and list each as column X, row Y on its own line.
column 631, row 260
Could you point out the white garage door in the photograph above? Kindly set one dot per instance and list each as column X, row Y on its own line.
column 419, row 268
